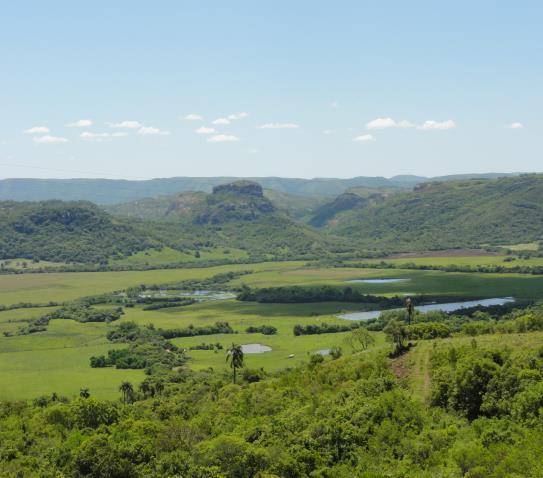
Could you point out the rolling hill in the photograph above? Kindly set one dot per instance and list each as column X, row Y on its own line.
column 66, row 232
column 448, row 215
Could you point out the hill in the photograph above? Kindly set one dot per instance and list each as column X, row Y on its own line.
column 65, row 232
column 237, row 215
column 113, row 191
column 449, row 215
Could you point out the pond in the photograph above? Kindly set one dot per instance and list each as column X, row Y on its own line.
column 378, row 281
column 255, row 348
column 323, row 352
column 447, row 307
column 199, row 295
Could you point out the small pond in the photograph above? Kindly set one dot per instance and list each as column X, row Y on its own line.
column 447, row 307
column 323, row 352
column 378, row 281
column 255, row 348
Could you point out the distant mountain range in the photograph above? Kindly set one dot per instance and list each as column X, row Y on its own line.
column 113, row 191
column 267, row 224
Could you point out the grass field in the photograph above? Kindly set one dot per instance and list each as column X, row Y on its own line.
column 58, row 360
column 40, row 288
column 172, row 256
column 472, row 261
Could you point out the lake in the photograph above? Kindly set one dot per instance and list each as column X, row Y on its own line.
column 255, row 348
column 378, row 281
column 447, row 307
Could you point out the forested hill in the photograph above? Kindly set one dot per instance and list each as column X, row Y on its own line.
column 65, row 232
column 450, row 214
column 112, row 191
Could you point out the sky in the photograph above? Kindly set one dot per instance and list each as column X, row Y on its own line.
column 137, row 90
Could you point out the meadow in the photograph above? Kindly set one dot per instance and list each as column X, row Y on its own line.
column 58, row 360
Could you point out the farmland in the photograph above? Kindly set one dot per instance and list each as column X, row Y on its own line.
column 57, row 360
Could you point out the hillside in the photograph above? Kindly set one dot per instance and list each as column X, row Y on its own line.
column 238, row 215
column 449, row 215
column 115, row 191
column 65, row 232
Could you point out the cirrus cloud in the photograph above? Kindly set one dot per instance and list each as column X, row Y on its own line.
column 515, row 125
column 48, row 139
column 279, row 126
column 89, row 136
column 37, row 130
column 221, row 121
column 364, row 138
column 382, row 123
column 82, row 123
column 205, row 130
column 152, row 131
column 237, row 116
column 193, row 117
column 129, row 124
column 222, row 138
column 437, row 125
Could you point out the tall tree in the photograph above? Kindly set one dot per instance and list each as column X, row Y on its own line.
column 234, row 356
column 127, row 390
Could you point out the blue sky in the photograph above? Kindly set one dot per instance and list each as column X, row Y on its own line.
column 302, row 88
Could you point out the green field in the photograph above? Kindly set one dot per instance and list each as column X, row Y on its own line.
column 168, row 255
column 58, row 359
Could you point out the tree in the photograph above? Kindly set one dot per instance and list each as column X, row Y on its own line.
column 84, row 393
column 360, row 337
column 127, row 390
column 396, row 333
column 234, row 356
column 410, row 310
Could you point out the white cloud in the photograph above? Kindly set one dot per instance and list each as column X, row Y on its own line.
column 221, row 121
column 126, row 124
column 88, row 136
column 334, row 104
column 254, row 151
column 364, row 138
column 48, row 139
column 515, row 125
column 327, row 131
column 237, row 116
column 82, row 123
column 440, row 125
column 151, row 130
column 193, row 117
column 205, row 130
column 381, row 123
column 279, row 126
column 222, row 138
column 37, row 130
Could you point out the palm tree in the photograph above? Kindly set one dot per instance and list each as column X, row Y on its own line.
column 84, row 393
column 410, row 309
column 234, row 355
column 127, row 390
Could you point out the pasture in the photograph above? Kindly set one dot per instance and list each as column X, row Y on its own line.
column 58, row 360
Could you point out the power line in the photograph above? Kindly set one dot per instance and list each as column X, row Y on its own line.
column 111, row 175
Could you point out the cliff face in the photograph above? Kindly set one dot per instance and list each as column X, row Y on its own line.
column 239, row 187
column 237, row 201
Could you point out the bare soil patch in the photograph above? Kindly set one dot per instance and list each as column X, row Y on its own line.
column 444, row 253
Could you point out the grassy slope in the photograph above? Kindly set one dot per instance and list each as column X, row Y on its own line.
column 451, row 214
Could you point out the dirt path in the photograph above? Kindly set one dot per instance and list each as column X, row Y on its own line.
column 414, row 368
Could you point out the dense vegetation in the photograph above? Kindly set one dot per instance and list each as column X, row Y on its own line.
column 450, row 214
column 65, row 232
column 333, row 418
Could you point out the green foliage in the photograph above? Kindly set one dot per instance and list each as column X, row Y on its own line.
column 261, row 329
column 444, row 215
column 65, row 232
